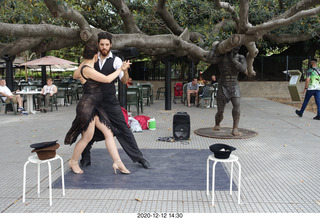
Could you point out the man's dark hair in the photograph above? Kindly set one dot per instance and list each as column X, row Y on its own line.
column 90, row 50
column 104, row 35
column 314, row 60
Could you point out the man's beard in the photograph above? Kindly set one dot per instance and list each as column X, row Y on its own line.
column 104, row 52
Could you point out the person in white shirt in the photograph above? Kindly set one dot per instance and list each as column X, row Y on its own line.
column 192, row 90
column 46, row 92
column 7, row 95
column 108, row 63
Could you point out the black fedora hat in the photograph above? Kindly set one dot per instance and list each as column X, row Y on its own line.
column 221, row 151
column 43, row 144
column 45, row 153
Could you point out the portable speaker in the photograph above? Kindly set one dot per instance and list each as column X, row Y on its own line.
column 181, row 126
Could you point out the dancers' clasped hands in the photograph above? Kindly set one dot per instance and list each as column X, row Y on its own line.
column 125, row 65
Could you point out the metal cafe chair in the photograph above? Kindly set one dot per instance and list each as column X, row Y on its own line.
column 3, row 103
column 134, row 97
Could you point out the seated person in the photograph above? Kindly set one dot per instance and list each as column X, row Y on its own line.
column 8, row 95
column 129, row 82
column 201, row 81
column 192, row 90
column 46, row 92
column 213, row 79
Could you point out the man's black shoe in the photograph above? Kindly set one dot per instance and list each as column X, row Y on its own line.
column 85, row 163
column 298, row 113
column 145, row 163
column 317, row 118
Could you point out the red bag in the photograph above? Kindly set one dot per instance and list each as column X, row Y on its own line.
column 125, row 114
column 143, row 120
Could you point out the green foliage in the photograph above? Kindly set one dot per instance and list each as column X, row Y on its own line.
column 19, row 74
column 26, row 12
column 197, row 15
column 35, row 12
column 100, row 14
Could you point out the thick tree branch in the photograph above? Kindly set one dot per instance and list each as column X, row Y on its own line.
column 37, row 30
column 274, row 24
column 178, row 44
column 300, row 6
column 166, row 41
column 287, row 38
column 126, row 16
column 67, row 13
column 19, row 45
column 251, row 55
column 251, row 34
column 171, row 23
column 168, row 18
column 227, row 7
column 244, row 13
column 56, row 44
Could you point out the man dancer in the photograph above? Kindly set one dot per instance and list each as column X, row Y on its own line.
column 107, row 63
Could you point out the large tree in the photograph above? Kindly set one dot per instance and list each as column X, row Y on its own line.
column 162, row 27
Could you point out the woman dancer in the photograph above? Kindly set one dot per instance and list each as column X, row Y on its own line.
column 90, row 115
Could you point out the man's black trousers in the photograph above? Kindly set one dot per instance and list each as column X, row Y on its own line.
column 124, row 134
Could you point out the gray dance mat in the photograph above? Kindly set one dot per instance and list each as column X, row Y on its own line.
column 172, row 169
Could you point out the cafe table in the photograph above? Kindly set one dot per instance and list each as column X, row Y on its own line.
column 29, row 94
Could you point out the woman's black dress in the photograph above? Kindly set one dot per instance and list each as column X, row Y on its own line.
column 88, row 107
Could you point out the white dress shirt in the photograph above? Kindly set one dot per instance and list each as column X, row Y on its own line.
column 116, row 64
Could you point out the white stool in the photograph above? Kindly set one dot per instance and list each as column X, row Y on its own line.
column 231, row 159
column 36, row 160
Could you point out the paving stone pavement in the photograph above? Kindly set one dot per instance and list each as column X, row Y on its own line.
column 280, row 166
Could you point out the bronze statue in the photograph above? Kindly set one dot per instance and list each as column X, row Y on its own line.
column 230, row 64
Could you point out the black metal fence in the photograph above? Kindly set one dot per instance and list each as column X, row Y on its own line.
column 266, row 68
column 273, row 68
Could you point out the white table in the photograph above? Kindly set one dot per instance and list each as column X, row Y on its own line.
column 29, row 95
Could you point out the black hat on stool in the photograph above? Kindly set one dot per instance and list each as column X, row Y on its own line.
column 221, row 151
column 45, row 150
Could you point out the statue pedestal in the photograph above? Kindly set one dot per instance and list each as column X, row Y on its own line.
column 225, row 133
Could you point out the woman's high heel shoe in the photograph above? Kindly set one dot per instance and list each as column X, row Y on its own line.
column 118, row 165
column 73, row 164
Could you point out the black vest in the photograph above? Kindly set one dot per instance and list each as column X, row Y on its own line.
column 107, row 68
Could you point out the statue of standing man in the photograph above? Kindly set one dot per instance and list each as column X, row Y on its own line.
column 230, row 65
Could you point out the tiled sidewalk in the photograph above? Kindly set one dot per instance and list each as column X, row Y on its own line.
column 280, row 166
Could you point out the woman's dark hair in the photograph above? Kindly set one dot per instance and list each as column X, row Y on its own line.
column 90, row 50
column 104, row 35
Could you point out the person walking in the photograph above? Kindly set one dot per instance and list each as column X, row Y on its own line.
column 311, row 88
column 106, row 64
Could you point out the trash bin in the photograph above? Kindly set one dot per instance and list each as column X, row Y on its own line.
column 295, row 76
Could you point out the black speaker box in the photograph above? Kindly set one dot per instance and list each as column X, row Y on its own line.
column 181, row 126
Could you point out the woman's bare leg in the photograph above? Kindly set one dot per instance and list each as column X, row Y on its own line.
column 86, row 137
column 111, row 146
